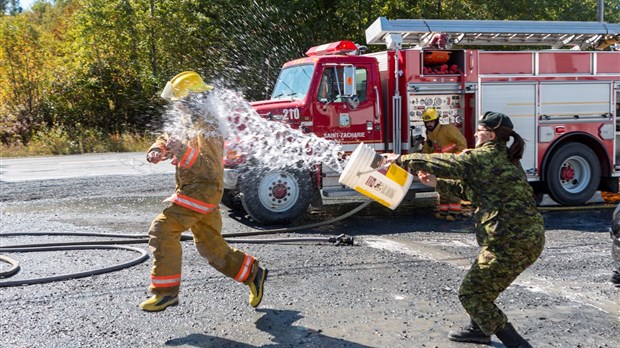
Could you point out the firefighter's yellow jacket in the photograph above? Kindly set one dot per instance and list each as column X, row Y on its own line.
column 445, row 138
column 199, row 173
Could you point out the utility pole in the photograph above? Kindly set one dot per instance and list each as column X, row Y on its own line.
column 601, row 7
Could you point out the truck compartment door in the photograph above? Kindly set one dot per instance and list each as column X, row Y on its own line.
column 518, row 101
column 576, row 101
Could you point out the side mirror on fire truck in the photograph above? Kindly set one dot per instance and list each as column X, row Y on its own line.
column 350, row 93
column 349, row 80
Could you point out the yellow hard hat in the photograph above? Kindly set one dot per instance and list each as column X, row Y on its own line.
column 182, row 84
column 430, row 114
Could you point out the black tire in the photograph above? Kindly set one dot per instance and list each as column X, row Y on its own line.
column 276, row 196
column 232, row 200
column 573, row 174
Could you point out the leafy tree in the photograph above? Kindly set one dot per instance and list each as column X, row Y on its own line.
column 20, row 84
column 97, row 66
column 9, row 7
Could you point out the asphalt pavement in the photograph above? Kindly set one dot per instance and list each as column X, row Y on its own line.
column 395, row 287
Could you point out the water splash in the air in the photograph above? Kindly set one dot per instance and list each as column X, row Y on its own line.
column 269, row 144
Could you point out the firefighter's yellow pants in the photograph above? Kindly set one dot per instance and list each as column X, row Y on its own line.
column 164, row 242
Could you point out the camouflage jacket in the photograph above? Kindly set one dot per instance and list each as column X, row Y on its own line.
column 504, row 200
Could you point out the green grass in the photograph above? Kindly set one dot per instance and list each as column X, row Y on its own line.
column 57, row 142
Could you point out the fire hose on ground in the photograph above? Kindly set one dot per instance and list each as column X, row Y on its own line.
column 135, row 239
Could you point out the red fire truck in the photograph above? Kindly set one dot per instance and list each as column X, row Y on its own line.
column 563, row 98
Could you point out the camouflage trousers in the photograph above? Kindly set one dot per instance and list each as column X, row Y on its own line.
column 492, row 272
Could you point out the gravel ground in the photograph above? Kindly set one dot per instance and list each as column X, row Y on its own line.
column 396, row 287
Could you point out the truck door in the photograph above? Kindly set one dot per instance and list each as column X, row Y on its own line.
column 333, row 116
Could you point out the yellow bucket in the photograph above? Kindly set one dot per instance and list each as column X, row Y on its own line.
column 386, row 185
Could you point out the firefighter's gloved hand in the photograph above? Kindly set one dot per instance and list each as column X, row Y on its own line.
column 154, row 156
column 175, row 145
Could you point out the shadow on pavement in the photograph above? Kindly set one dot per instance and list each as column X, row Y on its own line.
column 205, row 341
column 277, row 323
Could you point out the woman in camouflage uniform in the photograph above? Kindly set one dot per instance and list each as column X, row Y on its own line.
column 508, row 225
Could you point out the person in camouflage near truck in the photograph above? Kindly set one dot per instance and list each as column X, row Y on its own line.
column 508, row 225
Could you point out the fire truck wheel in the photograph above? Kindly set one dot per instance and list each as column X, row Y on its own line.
column 573, row 174
column 232, row 200
column 276, row 196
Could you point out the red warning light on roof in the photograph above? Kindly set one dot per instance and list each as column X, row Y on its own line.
column 338, row 47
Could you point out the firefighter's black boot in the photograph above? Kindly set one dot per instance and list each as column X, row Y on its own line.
column 511, row 338
column 470, row 333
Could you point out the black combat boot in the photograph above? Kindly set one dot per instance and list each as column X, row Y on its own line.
column 615, row 278
column 511, row 338
column 470, row 333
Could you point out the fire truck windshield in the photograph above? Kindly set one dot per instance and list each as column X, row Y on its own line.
column 293, row 82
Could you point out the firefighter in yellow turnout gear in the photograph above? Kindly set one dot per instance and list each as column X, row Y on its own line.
column 443, row 138
column 195, row 203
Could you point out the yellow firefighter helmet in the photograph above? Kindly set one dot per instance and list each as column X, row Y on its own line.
column 430, row 114
column 185, row 82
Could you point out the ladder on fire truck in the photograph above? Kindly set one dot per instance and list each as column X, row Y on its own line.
column 425, row 32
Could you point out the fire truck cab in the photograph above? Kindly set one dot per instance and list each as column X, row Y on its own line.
column 563, row 98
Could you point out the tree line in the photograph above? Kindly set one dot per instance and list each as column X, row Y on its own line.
column 71, row 67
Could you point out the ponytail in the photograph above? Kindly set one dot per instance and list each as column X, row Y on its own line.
column 515, row 152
